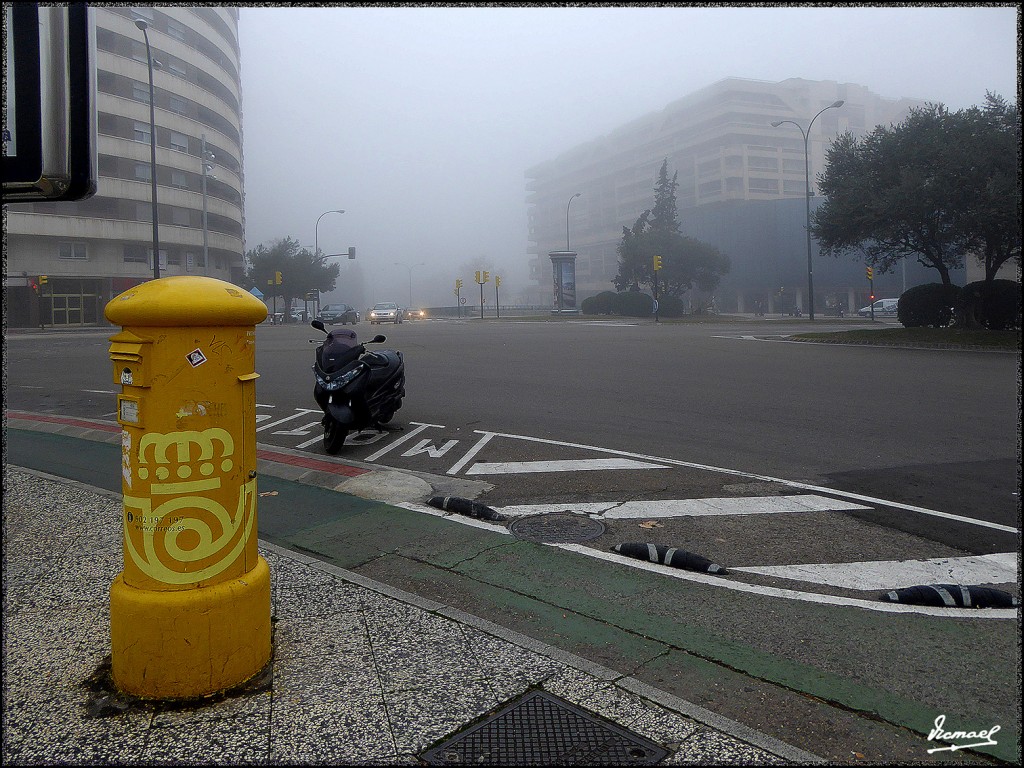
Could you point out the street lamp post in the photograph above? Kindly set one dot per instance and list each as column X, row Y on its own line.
column 141, row 24
column 207, row 167
column 807, row 179
column 409, row 267
column 316, row 232
column 567, row 205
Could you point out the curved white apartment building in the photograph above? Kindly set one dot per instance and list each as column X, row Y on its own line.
column 91, row 250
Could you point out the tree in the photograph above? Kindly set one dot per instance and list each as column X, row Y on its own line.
column 301, row 270
column 685, row 261
column 936, row 187
column 989, row 213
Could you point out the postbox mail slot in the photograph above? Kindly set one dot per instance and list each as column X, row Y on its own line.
column 131, row 364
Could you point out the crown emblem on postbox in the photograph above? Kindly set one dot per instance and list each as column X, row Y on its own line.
column 188, row 461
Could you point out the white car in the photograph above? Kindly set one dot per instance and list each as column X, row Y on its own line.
column 882, row 307
column 385, row 312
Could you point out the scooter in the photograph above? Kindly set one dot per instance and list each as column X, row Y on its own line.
column 354, row 388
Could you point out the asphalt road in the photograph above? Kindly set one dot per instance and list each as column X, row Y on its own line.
column 911, row 454
column 936, row 429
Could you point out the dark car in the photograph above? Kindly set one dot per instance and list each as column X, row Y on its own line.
column 334, row 314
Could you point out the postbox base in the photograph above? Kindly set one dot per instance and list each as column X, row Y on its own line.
column 190, row 643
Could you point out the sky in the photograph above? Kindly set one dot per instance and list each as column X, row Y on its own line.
column 421, row 122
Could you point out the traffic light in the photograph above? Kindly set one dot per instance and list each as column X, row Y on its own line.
column 352, row 252
column 458, row 283
column 872, row 297
column 43, row 279
column 34, row 286
column 497, row 280
column 476, row 276
column 657, row 263
column 870, row 273
column 487, row 276
column 277, row 278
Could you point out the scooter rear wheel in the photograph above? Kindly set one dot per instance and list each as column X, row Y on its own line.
column 334, row 436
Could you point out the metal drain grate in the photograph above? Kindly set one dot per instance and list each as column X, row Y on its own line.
column 557, row 527
column 541, row 729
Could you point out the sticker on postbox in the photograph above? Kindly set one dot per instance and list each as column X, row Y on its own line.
column 196, row 358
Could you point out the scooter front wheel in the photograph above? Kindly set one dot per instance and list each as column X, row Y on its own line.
column 334, row 436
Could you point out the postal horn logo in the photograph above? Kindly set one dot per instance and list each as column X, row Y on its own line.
column 186, row 522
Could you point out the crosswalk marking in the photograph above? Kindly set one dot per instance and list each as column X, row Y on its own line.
column 745, row 505
column 567, row 465
column 999, row 568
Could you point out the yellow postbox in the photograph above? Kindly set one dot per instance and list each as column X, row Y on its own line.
column 190, row 612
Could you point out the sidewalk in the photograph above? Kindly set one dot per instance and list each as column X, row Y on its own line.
column 362, row 673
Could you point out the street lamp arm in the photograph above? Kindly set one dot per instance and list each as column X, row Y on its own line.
column 316, row 232
column 567, row 218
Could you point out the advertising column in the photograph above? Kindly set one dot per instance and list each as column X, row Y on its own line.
column 563, row 267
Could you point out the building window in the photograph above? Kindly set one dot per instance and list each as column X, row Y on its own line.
column 175, row 29
column 143, row 211
column 710, row 188
column 179, row 179
column 178, row 104
column 73, row 251
column 140, row 92
column 793, row 188
column 792, row 166
column 179, row 217
column 142, row 132
column 176, row 69
column 135, row 254
column 174, row 258
column 763, row 163
column 179, row 141
column 143, row 12
column 770, row 186
column 139, row 52
column 143, row 171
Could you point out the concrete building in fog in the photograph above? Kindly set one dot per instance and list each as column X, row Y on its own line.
column 741, row 189
column 93, row 249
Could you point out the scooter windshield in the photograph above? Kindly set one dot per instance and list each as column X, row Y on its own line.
column 340, row 347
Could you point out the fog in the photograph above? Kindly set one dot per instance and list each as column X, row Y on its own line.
column 420, row 122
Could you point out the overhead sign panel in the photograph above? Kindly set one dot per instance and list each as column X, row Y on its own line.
column 49, row 129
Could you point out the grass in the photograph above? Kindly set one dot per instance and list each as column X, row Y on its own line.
column 922, row 337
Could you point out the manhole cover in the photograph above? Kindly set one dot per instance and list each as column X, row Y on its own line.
column 557, row 528
column 541, row 729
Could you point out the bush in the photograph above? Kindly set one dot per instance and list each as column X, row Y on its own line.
column 601, row 304
column 932, row 304
column 634, row 304
column 993, row 305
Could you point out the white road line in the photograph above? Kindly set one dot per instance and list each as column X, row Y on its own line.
column 457, row 467
column 790, row 594
column 895, row 574
column 403, row 439
column 299, row 412
column 766, row 478
column 744, row 505
column 567, row 465
column 721, row 581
